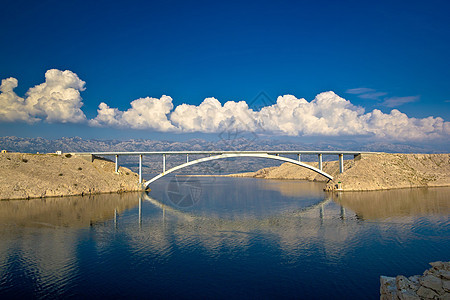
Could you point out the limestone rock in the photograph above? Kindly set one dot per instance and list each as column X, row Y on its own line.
column 433, row 284
column 25, row 176
column 426, row 293
column 380, row 171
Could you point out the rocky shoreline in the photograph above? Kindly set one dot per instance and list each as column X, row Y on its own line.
column 26, row 176
column 370, row 172
column 433, row 284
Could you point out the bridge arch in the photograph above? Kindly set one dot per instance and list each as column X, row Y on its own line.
column 230, row 155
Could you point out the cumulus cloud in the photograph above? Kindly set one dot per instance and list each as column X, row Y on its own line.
column 326, row 115
column 58, row 99
column 211, row 116
column 397, row 101
column 145, row 113
column 13, row 107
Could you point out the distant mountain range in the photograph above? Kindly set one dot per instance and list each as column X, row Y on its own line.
column 76, row 144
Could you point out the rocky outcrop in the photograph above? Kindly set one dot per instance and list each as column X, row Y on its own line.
column 24, row 176
column 371, row 172
column 433, row 284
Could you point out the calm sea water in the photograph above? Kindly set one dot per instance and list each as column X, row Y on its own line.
column 206, row 237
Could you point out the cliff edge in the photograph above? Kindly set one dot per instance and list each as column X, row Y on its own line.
column 24, row 176
column 371, row 172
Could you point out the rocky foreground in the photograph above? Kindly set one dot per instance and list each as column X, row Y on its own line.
column 370, row 172
column 25, row 176
column 433, row 284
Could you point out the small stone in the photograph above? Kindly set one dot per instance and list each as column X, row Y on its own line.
column 444, row 274
column 446, row 285
column 414, row 282
column 437, row 264
column 402, row 282
column 387, row 285
column 434, row 283
column 426, row 293
column 407, row 295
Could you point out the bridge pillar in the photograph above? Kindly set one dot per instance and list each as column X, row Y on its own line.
column 116, row 168
column 187, row 158
column 299, row 157
column 140, row 168
column 164, row 163
column 341, row 163
column 320, row 161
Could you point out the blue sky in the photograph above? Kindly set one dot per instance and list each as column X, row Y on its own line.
column 377, row 55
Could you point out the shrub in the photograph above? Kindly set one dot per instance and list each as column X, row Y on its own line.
column 24, row 160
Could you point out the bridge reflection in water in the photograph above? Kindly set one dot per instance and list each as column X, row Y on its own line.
column 79, row 245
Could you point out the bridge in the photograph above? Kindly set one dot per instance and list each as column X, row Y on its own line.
column 215, row 155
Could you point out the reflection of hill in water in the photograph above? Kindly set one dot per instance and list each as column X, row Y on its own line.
column 396, row 203
column 68, row 211
column 293, row 188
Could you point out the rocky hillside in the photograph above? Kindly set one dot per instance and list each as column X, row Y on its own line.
column 24, row 176
column 372, row 172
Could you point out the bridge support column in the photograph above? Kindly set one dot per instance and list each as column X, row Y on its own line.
column 140, row 168
column 187, row 158
column 164, row 163
column 341, row 163
column 299, row 157
column 320, row 162
column 116, row 168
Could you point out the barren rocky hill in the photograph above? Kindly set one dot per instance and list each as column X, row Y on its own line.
column 25, row 176
column 371, row 172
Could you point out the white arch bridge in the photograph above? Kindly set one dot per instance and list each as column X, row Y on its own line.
column 214, row 155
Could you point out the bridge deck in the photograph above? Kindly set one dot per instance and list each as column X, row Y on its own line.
column 334, row 152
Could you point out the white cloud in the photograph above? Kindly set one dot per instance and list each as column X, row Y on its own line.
column 12, row 107
column 145, row 113
column 56, row 100
column 361, row 90
column 372, row 96
column 211, row 116
column 397, row 101
column 326, row 115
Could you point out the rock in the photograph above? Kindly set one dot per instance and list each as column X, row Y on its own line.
column 443, row 274
column 407, row 295
column 47, row 175
column 432, row 282
column 426, row 293
column 402, row 282
column 441, row 265
column 387, row 285
column 446, row 285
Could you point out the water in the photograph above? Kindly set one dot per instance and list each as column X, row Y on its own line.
column 207, row 237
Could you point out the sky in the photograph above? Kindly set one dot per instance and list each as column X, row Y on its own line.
column 172, row 70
